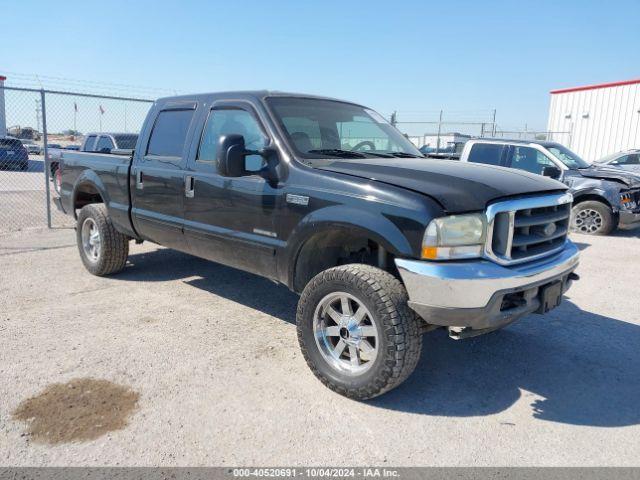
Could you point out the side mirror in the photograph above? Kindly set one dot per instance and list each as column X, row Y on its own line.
column 231, row 153
column 553, row 172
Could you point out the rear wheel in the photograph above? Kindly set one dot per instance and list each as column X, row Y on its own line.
column 103, row 249
column 592, row 218
column 356, row 331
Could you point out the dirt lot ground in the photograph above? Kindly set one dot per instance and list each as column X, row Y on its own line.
column 178, row 361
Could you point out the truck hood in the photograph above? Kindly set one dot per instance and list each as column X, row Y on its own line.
column 457, row 186
column 630, row 179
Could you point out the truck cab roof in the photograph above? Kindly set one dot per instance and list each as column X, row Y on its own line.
column 255, row 94
column 542, row 143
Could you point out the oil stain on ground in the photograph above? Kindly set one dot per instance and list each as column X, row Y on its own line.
column 80, row 410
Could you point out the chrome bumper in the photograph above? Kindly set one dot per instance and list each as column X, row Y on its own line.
column 482, row 294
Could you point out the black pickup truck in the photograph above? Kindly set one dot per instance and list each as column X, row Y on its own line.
column 329, row 199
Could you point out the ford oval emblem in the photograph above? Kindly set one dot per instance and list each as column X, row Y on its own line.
column 549, row 229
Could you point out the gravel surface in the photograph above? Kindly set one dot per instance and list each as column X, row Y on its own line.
column 201, row 363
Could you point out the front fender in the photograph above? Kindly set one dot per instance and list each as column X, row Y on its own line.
column 609, row 193
column 370, row 225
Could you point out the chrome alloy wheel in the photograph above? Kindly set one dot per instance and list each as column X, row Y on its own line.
column 588, row 221
column 91, row 240
column 345, row 333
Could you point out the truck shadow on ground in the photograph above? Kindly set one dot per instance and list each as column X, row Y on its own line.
column 235, row 285
column 576, row 367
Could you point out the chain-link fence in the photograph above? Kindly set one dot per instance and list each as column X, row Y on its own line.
column 36, row 126
column 447, row 131
column 560, row 137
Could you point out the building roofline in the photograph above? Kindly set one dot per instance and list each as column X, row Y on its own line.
column 595, row 86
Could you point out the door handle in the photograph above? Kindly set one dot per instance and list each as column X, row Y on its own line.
column 189, row 186
column 139, row 179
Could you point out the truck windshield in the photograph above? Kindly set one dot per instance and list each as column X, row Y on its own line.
column 567, row 157
column 318, row 128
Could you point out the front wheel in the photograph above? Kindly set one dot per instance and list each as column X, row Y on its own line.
column 103, row 249
column 356, row 331
column 592, row 218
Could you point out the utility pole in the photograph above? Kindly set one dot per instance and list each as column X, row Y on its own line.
column 439, row 131
column 38, row 112
column 493, row 121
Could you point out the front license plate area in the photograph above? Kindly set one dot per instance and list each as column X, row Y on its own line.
column 550, row 296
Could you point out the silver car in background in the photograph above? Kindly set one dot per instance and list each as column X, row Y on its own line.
column 627, row 160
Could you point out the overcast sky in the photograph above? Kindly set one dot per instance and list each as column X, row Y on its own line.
column 412, row 56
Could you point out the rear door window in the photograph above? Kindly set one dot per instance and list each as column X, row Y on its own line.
column 169, row 133
column 631, row 159
column 487, row 153
column 88, row 145
column 105, row 145
column 9, row 143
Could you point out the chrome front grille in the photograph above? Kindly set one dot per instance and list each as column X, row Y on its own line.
column 526, row 229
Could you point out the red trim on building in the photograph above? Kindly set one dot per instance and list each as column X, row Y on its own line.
column 593, row 87
column 2, row 78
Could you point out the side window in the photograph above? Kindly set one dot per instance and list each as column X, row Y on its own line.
column 227, row 121
column 529, row 159
column 105, row 145
column 88, row 145
column 487, row 153
column 627, row 160
column 169, row 133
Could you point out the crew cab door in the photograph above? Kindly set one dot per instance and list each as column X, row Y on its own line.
column 158, row 170
column 230, row 220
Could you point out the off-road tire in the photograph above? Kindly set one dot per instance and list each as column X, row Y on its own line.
column 114, row 246
column 608, row 219
column 397, row 325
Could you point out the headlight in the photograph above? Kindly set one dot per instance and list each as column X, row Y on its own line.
column 456, row 236
column 626, row 201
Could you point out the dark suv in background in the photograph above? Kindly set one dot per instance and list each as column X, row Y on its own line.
column 604, row 197
column 13, row 154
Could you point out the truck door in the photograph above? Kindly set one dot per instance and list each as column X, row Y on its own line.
column 230, row 220
column 158, row 177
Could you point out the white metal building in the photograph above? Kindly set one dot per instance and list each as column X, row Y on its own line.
column 596, row 120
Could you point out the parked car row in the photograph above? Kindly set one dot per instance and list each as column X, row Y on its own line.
column 606, row 193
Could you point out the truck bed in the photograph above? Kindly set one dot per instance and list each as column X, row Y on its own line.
column 109, row 172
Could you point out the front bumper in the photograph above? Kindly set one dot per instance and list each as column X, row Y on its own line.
column 628, row 219
column 480, row 294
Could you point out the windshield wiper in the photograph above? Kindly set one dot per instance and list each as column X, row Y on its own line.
column 338, row 153
column 402, row 154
